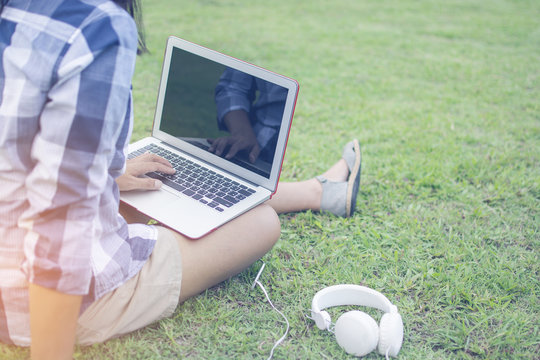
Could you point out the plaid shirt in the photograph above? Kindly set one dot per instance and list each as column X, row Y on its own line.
column 65, row 120
column 237, row 91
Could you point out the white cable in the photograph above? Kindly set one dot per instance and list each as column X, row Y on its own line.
column 257, row 282
column 280, row 313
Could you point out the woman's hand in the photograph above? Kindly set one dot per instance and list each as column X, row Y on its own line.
column 132, row 179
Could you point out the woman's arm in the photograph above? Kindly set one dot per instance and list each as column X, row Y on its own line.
column 53, row 323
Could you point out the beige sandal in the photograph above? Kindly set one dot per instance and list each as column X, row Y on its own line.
column 339, row 197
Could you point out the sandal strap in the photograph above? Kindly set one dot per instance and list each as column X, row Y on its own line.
column 349, row 155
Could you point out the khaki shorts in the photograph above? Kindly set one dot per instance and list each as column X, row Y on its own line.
column 149, row 296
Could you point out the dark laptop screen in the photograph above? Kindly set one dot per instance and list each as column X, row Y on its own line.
column 227, row 112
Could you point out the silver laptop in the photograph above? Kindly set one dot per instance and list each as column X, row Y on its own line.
column 223, row 123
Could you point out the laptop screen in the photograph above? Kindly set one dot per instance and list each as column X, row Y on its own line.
column 227, row 112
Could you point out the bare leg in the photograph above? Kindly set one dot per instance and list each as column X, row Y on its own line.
column 225, row 252
column 305, row 195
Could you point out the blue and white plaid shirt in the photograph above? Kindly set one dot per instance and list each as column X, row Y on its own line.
column 65, row 120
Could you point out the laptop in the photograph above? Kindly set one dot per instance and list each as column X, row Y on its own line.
column 208, row 101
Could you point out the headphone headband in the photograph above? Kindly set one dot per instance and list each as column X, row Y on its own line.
column 347, row 294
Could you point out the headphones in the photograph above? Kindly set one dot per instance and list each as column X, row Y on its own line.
column 357, row 332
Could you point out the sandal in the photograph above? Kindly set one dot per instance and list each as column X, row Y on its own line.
column 339, row 197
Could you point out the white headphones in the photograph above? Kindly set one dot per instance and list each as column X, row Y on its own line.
column 357, row 332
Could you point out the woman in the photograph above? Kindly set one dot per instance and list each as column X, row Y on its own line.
column 73, row 270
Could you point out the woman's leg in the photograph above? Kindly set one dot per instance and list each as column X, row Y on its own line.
column 227, row 251
column 224, row 252
column 305, row 195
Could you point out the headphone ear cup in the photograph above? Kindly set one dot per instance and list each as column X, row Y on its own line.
column 357, row 333
column 390, row 334
column 322, row 319
column 327, row 320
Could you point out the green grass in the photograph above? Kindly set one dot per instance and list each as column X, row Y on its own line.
column 445, row 99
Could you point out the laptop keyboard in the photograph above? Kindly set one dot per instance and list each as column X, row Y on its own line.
column 196, row 181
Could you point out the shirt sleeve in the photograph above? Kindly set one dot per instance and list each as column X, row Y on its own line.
column 79, row 128
column 234, row 91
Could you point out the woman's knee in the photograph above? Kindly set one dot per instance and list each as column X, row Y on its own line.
column 269, row 224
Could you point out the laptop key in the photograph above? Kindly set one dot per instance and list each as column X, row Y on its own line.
column 244, row 192
column 223, row 202
column 188, row 192
column 230, row 199
column 173, row 184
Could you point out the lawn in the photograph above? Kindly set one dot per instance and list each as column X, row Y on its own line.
column 444, row 97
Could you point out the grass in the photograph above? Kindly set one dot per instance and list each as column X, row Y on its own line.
column 444, row 97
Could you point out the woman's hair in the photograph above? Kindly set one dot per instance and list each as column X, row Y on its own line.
column 133, row 7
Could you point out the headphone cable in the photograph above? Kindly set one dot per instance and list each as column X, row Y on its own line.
column 257, row 282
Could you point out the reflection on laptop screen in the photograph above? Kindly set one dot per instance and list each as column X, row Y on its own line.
column 218, row 109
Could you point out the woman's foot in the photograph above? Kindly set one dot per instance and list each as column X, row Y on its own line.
column 339, row 185
column 338, row 172
column 334, row 191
